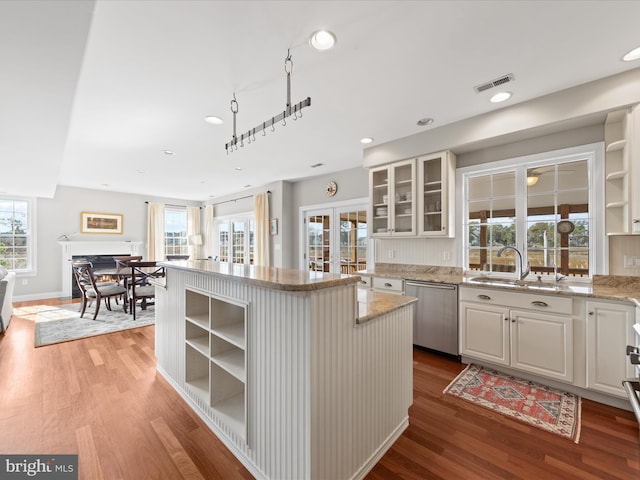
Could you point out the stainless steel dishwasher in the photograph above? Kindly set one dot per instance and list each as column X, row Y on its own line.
column 435, row 318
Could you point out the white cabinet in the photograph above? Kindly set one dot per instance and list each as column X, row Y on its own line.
column 215, row 355
column 622, row 173
column 436, row 194
column 528, row 332
column 382, row 284
column 392, row 199
column 609, row 331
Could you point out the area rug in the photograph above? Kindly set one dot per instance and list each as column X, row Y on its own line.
column 55, row 324
column 538, row 405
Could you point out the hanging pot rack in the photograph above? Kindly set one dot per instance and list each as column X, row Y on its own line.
column 290, row 110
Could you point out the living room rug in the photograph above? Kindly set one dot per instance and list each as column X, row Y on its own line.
column 62, row 323
column 538, row 405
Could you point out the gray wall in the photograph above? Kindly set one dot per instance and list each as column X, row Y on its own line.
column 61, row 215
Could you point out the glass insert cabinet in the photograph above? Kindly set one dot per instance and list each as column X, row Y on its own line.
column 414, row 197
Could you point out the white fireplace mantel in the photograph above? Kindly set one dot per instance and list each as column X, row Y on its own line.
column 71, row 249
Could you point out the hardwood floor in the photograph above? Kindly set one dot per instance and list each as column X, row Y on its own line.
column 101, row 398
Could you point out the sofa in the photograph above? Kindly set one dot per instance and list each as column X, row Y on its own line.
column 7, row 283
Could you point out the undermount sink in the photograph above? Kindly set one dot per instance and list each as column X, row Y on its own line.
column 496, row 281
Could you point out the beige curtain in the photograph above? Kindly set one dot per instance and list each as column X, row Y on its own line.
column 208, row 232
column 261, row 207
column 193, row 233
column 155, row 232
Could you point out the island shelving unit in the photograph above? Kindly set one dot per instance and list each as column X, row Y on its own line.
column 284, row 368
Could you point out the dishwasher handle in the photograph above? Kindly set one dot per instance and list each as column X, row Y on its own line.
column 431, row 285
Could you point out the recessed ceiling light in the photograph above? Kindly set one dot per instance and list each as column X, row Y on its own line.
column 366, row 140
column 139, row 171
column 239, row 169
column 500, row 97
column 102, row 184
column 168, row 152
column 322, row 40
column 424, row 121
column 213, row 120
column 632, row 55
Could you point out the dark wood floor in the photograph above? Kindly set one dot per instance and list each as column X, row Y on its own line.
column 101, row 398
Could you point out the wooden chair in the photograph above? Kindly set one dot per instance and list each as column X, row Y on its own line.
column 139, row 286
column 91, row 290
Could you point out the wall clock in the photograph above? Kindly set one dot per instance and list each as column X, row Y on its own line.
column 332, row 188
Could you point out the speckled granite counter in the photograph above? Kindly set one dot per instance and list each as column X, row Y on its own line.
column 609, row 287
column 376, row 304
column 269, row 277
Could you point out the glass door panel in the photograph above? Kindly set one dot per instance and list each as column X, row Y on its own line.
column 319, row 242
column 353, row 241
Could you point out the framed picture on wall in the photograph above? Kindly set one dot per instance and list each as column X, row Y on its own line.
column 91, row 222
column 274, row 226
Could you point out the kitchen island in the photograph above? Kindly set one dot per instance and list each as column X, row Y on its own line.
column 287, row 368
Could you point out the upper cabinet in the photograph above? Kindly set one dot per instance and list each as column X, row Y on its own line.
column 414, row 197
column 622, row 198
column 392, row 199
column 436, row 194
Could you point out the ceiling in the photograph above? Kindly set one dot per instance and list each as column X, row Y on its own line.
column 91, row 93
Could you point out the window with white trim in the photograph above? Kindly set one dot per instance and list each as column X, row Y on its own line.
column 175, row 231
column 234, row 239
column 17, row 234
column 543, row 205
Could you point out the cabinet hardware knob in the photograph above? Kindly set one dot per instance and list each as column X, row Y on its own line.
column 387, row 285
column 506, row 319
column 513, row 320
column 636, row 220
column 538, row 303
column 484, row 297
column 590, row 313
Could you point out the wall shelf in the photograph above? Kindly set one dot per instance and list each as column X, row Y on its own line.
column 617, row 145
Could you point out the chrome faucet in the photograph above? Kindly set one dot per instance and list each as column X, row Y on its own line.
column 522, row 274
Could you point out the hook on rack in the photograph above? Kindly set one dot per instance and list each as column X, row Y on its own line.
column 272, row 127
column 284, row 116
column 264, row 129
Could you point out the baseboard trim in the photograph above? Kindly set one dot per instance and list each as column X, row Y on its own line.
column 378, row 454
column 36, row 296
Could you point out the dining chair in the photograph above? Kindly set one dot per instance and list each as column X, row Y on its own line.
column 92, row 290
column 139, row 285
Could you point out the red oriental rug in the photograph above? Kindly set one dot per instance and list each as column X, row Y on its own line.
column 538, row 405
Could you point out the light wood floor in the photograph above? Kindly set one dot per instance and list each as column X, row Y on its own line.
column 101, row 398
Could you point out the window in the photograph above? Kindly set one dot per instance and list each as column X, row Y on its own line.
column 235, row 240
column 17, row 235
column 543, row 205
column 175, row 231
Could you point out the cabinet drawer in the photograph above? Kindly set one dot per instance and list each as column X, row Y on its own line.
column 511, row 299
column 392, row 285
column 365, row 281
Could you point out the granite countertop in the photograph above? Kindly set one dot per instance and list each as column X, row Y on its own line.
column 609, row 287
column 375, row 304
column 268, row 277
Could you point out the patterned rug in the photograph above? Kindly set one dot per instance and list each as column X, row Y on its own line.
column 538, row 405
column 63, row 323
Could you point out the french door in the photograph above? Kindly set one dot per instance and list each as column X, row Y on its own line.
column 336, row 239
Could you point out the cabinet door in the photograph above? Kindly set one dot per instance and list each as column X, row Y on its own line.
column 392, row 199
column 379, row 196
column 484, row 332
column 542, row 344
column 435, row 200
column 609, row 331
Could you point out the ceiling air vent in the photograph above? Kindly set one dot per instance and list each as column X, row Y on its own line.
column 494, row 83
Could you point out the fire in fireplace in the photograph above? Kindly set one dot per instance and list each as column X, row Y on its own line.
column 99, row 262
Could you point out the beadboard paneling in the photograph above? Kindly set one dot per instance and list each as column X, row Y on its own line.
column 417, row 251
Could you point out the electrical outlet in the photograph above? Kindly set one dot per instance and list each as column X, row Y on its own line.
column 629, row 261
column 392, row 253
column 25, row 281
column 446, row 255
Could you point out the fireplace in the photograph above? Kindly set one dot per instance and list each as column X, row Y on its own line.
column 99, row 262
column 73, row 251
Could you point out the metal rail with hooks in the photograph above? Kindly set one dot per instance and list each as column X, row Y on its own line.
column 295, row 111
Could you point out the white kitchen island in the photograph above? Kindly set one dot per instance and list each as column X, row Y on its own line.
column 289, row 370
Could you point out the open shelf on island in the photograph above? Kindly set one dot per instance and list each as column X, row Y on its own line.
column 215, row 356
